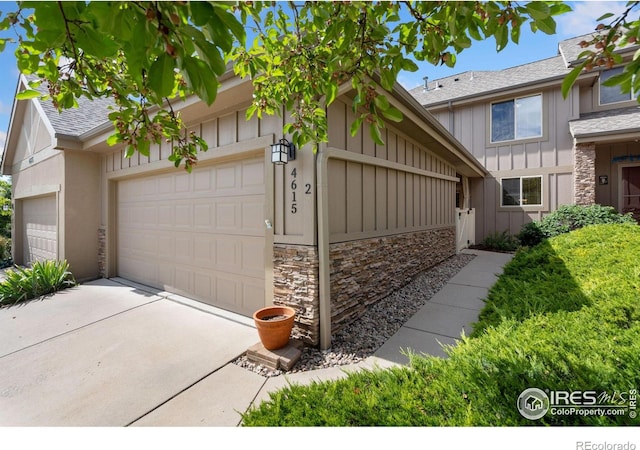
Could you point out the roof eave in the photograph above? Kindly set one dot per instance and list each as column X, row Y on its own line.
column 627, row 51
column 4, row 170
column 607, row 136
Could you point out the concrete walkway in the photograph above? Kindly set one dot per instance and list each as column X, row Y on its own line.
column 105, row 354
column 441, row 321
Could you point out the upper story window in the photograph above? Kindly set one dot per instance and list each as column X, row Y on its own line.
column 520, row 118
column 613, row 94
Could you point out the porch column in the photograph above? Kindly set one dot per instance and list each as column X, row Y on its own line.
column 584, row 175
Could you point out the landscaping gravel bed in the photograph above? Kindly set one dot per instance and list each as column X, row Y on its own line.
column 363, row 337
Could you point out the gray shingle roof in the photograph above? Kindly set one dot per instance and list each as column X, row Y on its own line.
column 89, row 114
column 570, row 49
column 469, row 84
column 606, row 122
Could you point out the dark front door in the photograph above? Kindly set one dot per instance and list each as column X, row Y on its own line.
column 631, row 191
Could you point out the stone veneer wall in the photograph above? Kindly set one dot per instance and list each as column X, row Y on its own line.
column 295, row 284
column 102, row 252
column 584, row 179
column 367, row 270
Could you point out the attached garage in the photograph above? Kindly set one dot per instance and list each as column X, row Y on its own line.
column 342, row 224
column 201, row 234
column 39, row 229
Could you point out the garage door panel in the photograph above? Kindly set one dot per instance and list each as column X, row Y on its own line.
column 182, row 182
column 253, row 177
column 202, row 181
column 200, row 235
column 183, row 280
column 227, row 216
column 253, row 258
column 139, row 270
column 39, row 229
column 184, row 216
column 203, row 216
column 252, row 217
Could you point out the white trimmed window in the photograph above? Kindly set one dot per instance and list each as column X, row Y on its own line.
column 613, row 94
column 521, row 191
column 519, row 118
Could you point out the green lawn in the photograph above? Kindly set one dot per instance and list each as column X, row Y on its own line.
column 565, row 315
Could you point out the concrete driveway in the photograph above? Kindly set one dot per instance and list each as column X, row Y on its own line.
column 107, row 354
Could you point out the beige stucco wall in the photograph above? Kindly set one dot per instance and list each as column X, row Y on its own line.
column 82, row 212
column 73, row 177
column 44, row 177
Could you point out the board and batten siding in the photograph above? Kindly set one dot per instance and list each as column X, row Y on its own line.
column 371, row 199
column 550, row 156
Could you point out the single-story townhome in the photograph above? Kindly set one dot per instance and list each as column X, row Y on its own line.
column 328, row 233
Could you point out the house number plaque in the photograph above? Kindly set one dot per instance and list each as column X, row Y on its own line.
column 294, row 187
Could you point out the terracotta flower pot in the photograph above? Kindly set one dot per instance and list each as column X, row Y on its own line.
column 274, row 324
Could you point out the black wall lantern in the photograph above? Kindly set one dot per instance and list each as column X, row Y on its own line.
column 282, row 152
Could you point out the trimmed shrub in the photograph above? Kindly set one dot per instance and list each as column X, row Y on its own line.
column 500, row 241
column 568, row 218
column 42, row 278
column 563, row 316
column 530, row 234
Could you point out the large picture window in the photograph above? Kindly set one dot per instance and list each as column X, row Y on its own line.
column 522, row 191
column 613, row 94
column 520, row 118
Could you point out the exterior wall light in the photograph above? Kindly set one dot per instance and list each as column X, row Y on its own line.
column 282, row 152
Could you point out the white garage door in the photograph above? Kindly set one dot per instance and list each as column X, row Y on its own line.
column 39, row 229
column 201, row 235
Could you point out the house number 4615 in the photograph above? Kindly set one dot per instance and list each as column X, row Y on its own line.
column 294, row 187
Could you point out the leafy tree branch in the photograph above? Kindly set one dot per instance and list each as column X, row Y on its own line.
column 147, row 55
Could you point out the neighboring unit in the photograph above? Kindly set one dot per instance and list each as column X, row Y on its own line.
column 327, row 233
column 542, row 150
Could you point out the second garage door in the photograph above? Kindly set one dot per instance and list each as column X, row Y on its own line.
column 39, row 229
column 201, row 234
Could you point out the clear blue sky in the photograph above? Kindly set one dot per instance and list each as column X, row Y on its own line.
column 481, row 56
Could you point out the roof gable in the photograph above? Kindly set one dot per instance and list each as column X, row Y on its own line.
column 74, row 122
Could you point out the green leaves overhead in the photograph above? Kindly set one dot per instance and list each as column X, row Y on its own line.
column 27, row 95
column 199, row 81
column 145, row 55
column 162, row 75
column 302, row 54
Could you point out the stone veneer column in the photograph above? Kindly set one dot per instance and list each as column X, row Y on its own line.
column 296, row 284
column 584, row 178
column 102, row 252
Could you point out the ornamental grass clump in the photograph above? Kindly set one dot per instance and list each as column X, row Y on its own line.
column 42, row 278
column 564, row 316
